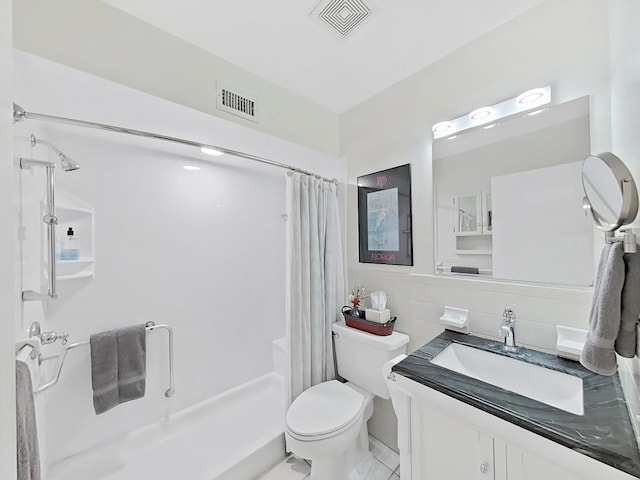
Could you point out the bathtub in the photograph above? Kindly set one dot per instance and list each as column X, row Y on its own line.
column 234, row 436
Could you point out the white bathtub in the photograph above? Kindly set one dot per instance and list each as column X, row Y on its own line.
column 234, row 436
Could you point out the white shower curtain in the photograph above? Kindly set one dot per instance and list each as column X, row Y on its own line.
column 315, row 279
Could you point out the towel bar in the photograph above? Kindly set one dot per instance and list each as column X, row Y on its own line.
column 628, row 239
column 150, row 326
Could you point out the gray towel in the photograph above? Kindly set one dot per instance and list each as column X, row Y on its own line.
column 472, row 270
column 598, row 354
column 104, row 370
column 118, row 366
column 627, row 337
column 27, row 434
column 132, row 362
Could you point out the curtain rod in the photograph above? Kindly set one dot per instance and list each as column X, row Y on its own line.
column 20, row 114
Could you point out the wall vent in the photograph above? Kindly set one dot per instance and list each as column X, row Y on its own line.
column 237, row 103
column 342, row 16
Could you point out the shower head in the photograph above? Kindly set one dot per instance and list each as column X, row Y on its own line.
column 68, row 165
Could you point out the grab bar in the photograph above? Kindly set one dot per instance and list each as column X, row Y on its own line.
column 51, row 221
column 150, row 326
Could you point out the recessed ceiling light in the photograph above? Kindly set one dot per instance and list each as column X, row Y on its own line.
column 481, row 113
column 453, row 137
column 487, row 127
column 531, row 96
column 192, row 168
column 211, row 151
column 441, row 127
column 536, row 112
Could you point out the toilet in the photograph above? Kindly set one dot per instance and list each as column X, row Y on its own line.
column 327, row 424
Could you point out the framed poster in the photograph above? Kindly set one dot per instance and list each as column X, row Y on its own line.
column 384, row 217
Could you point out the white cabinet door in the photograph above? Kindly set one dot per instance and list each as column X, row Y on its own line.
column 451, row 449
column 473, row 214
column 487, row 213
column 468, row 214
column 523, row 465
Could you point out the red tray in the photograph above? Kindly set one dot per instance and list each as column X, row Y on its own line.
column 381, row 329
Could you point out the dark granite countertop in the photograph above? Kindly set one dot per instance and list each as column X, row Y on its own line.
column 604, row 432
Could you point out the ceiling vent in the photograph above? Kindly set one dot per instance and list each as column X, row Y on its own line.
column 342, row 16
column 237, row 103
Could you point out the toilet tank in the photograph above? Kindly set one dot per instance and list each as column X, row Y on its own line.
column 360, row 356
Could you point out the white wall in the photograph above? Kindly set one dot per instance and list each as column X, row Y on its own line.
column 562, row 43
column 625, row 118
column 99, row 39
column 200, row 251
column 8, row 292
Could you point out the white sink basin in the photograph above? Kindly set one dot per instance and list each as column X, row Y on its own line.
column 557, row 389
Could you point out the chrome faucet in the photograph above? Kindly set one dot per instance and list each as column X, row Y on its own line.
column 47, row 337
column 508, row 329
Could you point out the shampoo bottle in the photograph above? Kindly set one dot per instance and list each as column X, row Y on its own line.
column 70, row 249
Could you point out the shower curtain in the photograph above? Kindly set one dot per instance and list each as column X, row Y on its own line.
column 315, row 279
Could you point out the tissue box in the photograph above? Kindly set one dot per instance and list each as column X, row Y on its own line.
column 377, row 316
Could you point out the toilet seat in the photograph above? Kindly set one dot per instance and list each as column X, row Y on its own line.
column 324, row 410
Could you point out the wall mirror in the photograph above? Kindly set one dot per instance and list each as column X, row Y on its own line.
column 611, row 194
column 509, row 198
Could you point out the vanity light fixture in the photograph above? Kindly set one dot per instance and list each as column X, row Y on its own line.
column 488, row 117
column 191, row 168
column 211, row 151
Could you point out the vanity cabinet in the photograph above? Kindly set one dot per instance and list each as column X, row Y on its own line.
column 442, row 438
column 453, row 449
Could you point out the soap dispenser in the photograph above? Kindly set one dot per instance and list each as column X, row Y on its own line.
column 70, row 250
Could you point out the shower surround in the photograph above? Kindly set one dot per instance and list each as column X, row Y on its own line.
column 202, row 251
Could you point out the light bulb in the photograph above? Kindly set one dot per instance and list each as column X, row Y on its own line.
column 441, row 127
column 531, row 96
column 481, row 113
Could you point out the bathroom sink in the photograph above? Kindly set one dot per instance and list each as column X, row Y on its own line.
column 538, row 383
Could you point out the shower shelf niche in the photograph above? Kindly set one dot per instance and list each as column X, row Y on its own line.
column 74, row 213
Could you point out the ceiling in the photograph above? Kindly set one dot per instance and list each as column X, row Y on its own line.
column 284, row 41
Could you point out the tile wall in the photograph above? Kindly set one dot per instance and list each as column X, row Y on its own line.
column 418, row 301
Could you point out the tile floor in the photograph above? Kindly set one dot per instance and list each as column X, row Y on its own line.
column 387, row 465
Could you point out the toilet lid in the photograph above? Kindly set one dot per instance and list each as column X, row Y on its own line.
column 324, row 408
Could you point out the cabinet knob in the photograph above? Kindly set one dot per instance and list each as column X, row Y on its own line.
column 484, row 467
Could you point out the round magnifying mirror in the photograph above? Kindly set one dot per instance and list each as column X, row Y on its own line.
column 610, row 191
